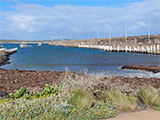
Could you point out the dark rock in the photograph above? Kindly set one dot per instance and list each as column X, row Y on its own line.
column 4, row 94
column 98, row 95
column 141, row 104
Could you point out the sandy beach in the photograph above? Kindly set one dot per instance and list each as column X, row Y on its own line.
column 139, row 115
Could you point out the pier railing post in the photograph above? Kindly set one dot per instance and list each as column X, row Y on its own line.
column 158, row 51
column 117, row 48
column 154, row 49
column 151, row 48
column 126, row 48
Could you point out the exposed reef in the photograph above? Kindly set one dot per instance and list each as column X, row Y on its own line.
column 154, row 68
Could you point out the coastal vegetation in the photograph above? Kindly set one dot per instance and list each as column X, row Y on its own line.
column 81, row 98
column 123, row 101
column 55, row 105
column 63, row 101
column 150, row 96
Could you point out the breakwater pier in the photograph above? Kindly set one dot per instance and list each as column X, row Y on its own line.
column 4, row 55
column 135, row 44
column 150, row 49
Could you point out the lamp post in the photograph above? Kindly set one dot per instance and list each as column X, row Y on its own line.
column 110, row 35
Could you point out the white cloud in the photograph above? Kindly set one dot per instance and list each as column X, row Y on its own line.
column 138, row 25
column 40, row 22
column 20, row 23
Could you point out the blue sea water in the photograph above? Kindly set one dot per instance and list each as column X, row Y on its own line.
column 57, row 58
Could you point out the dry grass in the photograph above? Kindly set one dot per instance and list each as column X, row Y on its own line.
column 123, row 101
column 95, row 82
column 81, row 98
column 149, row 96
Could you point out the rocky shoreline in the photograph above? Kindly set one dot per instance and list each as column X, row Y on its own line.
column 4, row 56
column 12, row 80
column 154, row 68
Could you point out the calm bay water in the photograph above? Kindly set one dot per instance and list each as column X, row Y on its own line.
column 57, row 58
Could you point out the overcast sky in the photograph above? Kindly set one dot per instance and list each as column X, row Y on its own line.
column 61, row 19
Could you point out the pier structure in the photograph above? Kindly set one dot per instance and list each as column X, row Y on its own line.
column 135, row 44
column 150, row 49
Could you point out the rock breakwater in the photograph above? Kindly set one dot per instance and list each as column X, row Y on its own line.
column 4, row 55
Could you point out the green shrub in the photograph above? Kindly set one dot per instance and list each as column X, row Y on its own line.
column 19, row 93
column 27, row 96
column 81, row 98
column 123, row 102
column 157, row 108
column 56, row 89
column 11, row 95
column 48, row 90
column 149, row 96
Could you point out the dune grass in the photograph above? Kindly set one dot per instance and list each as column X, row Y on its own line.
column 123, row 102
column 149, row 96
column 81, row 98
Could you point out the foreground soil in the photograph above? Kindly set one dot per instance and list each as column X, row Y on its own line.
column 154, row 68
column 12, row 80
column 140, row 115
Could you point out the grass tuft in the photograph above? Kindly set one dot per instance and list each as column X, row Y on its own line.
column 123, row 102
column 81, row 98
column 149, row 96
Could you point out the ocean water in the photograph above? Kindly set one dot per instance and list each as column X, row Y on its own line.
column 57, row 58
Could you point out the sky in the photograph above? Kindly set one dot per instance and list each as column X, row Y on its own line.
column 77, row 19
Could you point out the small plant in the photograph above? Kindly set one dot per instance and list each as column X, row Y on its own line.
column 122, row 101
column 12, row 96
column 48, row 90
column 19, row 93
column 27, row 96
column 149, row 96
column 37, row 95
